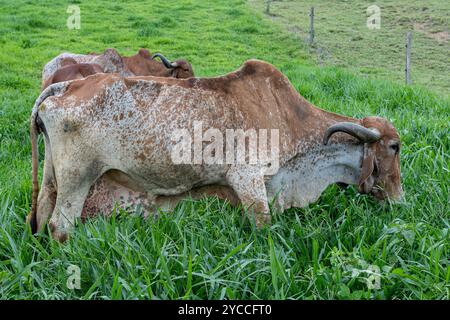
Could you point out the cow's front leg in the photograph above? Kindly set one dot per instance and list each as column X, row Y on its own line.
column 247, row 182
column 72, row 194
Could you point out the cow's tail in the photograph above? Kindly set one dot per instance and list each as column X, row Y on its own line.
column 34, row 133
column 53, row 90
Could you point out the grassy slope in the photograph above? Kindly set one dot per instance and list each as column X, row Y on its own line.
column 205, row 249
column 343, row 39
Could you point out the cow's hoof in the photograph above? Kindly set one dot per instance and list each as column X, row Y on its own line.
column 263, row 220
column 60, row 236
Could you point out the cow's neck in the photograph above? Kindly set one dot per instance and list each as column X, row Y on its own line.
column 302, row 180
column 308, row 131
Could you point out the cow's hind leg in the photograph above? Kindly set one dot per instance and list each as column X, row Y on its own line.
column 73, row 188
column 247, row 182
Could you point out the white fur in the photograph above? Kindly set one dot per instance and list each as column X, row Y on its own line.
column 307, row 175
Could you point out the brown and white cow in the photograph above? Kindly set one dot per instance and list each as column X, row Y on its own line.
column 141, row 64
column 121, row 128
column 70, row 66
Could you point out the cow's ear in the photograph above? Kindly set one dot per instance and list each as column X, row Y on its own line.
column 368, row 164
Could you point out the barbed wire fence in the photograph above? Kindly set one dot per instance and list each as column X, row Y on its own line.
column 321, row 51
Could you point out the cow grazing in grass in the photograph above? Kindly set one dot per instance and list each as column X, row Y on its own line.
column 141, row 64
column 122, row 129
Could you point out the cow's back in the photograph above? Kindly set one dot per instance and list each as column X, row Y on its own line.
column 138, row 115
column 56, row 63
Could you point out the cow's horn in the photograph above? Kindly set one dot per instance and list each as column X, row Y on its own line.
column 362, row 133
column 164, row 60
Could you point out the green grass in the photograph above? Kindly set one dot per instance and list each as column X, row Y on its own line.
column 343, row 39
column 205, row 249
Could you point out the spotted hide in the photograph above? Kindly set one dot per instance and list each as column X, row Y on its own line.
column 122, row 129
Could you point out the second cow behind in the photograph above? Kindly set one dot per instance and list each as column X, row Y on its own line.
column 70, row 66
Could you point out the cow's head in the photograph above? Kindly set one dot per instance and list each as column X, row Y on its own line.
column 180, row 69
column 380, row 166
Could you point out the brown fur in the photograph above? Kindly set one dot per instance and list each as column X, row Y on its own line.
column 142, row 64
column 381, row 165
column 72, row 71
column 68, row 62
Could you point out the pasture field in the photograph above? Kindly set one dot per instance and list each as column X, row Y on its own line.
column 342, row 37
column 345, row 246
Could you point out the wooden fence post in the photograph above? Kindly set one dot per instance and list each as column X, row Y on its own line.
column 408, row 57
column 268, row 6
column 311, row 26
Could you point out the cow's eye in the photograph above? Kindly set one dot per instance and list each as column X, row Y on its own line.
column 395, row 147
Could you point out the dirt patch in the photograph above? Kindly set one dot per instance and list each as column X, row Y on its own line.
column 441, row 36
